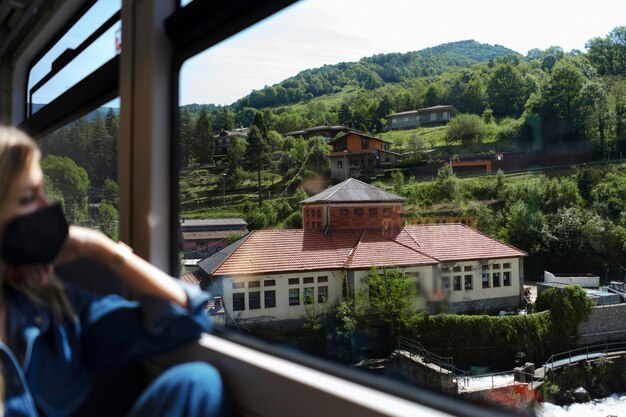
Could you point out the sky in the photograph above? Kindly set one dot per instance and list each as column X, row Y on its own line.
column 312, row 33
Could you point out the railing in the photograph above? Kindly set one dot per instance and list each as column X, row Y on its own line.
column 584, row 353
column 444, row 362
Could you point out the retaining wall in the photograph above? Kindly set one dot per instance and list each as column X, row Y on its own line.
column 604, row 324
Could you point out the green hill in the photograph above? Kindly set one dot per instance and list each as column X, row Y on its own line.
column 373, row 72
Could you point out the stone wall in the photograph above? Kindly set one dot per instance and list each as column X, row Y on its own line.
column 425, row 374
column 487, row 305
column 605, row 324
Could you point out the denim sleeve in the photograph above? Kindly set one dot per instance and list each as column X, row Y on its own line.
column 116, row 331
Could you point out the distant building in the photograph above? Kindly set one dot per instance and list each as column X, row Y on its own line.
column 427, row 116
column 272, row 277
column 328, row 132
column 204, row 237
column 356, row 155
column 225, row 137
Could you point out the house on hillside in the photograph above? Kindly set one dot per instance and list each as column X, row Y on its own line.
column 328, row 132
column 427, row 116
column 225, row 137
column 356, row 155
column 272, row 277
column 204, row 237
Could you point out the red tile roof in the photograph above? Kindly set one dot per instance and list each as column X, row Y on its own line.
column 375, row 249
column 455, row 242
column 289, row 250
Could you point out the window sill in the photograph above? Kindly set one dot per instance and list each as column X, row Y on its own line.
column 267, row 385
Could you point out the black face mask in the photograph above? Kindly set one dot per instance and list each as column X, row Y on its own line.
column 35, row 238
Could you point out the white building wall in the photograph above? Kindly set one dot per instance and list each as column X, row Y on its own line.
column 282, row 310
column 496, row 284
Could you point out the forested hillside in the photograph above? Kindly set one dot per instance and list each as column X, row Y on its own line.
column 373, row 72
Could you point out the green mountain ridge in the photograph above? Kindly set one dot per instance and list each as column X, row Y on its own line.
column 373, row 72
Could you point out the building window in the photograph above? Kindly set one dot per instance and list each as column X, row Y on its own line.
column 506, row 266
column 294, row 296
column 467, row 268
column 307, row 280
column 496, row 279
column 468, row 282
column 339, row 164
column 495, row 266
column 254, row 300
column 269, row 282
column 344, row 212
column 445, row 269
column 485, row 278
column 365, row 143
column 322, row 294
column 239, row 301
column 318, row 212
column 457, row 283
column 309, row 295
column 506, row 278
column 445, row 283
column 254, row 284
column 456, row 269
column 238, row 285
column 270, row 298
column 387, row 211
column 294, row 281
column 485, row 267
column 358, row 212
column 373, row 212
column 322, row 279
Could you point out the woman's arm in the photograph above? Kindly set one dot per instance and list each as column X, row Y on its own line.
column 140, row 275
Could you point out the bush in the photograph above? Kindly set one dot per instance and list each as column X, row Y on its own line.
column 466, row 129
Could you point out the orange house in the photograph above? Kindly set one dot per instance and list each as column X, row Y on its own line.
column 356, row 155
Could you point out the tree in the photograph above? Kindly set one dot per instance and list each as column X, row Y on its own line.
column 446, row 186
column 72, row 182
column 111, row 191
column 387, row 297
column 506, row 91
column 257, row 155
column 594, row 114
column 203, row 140
column 319, row 153
column 108, row 220
column 417, row 146
column 224, row 120
column 186, row 137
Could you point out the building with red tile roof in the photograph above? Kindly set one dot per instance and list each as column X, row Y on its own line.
column 273, row 275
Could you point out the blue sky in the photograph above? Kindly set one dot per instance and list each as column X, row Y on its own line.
column 312, row 33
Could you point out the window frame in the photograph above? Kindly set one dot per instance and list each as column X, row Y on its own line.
column 189, row 33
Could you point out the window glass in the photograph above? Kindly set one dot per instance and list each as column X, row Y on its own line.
column 105, row 47
column 80, row 164
column 263, row 123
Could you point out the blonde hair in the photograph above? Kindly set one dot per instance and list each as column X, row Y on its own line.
column 40, row 286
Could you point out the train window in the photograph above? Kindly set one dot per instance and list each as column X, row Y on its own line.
column 275, row 115
column 91, row 41
column 80, row 165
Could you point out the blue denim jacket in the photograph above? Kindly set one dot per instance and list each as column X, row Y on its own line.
column 46, row 372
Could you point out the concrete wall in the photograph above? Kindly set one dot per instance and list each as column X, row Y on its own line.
column 604, row 324
column 428, row 375
column 583, row 281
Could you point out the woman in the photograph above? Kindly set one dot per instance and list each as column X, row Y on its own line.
column 53, row 334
